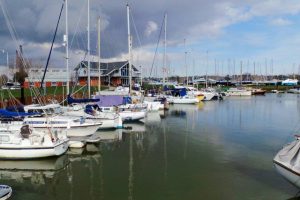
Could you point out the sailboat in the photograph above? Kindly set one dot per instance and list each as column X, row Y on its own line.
column 287, row 162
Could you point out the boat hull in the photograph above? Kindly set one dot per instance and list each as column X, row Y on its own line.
column 132, row 116
column 11, row 151
column 290, row 175
column 185, row 101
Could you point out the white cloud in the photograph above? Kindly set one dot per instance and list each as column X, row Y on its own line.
column 150, row 28
column 280, row 22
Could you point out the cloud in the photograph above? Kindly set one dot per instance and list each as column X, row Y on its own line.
column 150, row 28
column 281, row 22
column 201, row 22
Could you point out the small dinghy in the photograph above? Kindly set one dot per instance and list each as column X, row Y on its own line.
column 5, row 192
column 287, row 162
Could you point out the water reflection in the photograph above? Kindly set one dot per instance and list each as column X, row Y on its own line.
column 34, row 171
column 180, row 154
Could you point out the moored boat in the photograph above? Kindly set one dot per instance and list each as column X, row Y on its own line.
column 29, row 143
column 258, row 92
column 287, row 162
column 5, row 192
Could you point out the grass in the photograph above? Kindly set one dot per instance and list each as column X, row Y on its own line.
column 7, row 94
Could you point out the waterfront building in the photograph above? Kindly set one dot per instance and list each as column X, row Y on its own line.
column 112, row 73
column 54, row 77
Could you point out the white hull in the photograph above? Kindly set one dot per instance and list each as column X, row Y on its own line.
column 290, row 175
column 239, row 93
column 108, row 120
column 132, row 115
column 5, row 192
column 82, row 131
column 12, row 151
column 153, row 106
column 287, row 162
column 185, row 100
column 208, row 96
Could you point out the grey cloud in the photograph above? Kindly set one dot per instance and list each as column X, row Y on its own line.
column 35, row 21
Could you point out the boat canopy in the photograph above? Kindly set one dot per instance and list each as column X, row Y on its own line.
column 72, row 100
column 9, row 114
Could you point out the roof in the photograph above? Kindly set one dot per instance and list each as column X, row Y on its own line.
column 107, row 68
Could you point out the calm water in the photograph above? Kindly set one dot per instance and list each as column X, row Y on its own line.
column 215, row 150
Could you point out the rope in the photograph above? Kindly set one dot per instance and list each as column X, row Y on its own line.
column 156, row 49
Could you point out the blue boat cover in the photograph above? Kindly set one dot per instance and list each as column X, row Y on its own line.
column 109, row 100
column 9, row 114
column 72, row 100
column 127, row 100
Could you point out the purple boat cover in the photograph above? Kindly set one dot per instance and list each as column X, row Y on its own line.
column 109, row 100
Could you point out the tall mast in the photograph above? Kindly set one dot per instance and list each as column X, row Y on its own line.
column 187, row 83
column 241, row 72
column 206, row 69
column 99, row 57
column 66, row 40
column 88, row 51
column 165, row 52
column 129, row 48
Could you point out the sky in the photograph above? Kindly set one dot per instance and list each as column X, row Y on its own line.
column 203, row 37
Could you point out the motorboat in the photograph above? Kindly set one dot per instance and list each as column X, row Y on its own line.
column 287, row 162
column 28, row 143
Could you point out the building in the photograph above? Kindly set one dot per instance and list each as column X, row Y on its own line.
column 112, row 73
column 54, row 77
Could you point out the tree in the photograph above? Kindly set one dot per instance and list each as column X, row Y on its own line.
column 3, row 79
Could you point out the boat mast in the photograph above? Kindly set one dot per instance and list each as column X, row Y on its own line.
column 66, row 40
column 129, row 48
column 241, row 73
column 165, row 52
column 88, row 51
column 187, row 83
column 99, row 57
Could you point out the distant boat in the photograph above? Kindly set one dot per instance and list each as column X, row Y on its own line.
column 287, row 162
column 11, row 86
column 290, row 82
column 238, row 92
column 5, row 192
column 294, row 91
column 258, row 91
column 185, row 100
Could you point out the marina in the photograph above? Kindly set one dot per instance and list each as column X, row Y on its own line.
column 105, row 100
column 211, row 150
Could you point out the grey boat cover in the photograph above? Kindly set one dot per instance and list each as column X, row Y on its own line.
column 289, row 156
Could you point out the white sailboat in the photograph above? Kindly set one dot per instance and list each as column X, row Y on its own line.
column 29, row 143
column 287, row 162
column 185, row 100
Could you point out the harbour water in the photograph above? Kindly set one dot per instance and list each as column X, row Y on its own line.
column 214, row 150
